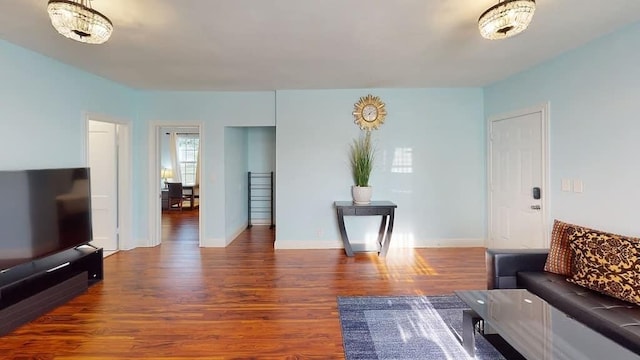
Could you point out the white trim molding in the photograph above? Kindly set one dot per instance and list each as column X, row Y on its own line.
column 337, row 244
column 213, row 243
column 308, row 244
column 236, row 233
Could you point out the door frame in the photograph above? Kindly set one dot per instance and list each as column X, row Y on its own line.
column 155, row 195
column 543, row 109
column 125, row 174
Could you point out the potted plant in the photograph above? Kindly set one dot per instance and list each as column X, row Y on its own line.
column 361, row 156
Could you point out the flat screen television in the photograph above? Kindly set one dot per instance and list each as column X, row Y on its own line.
column 43, row 212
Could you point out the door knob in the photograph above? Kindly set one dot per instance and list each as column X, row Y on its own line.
column 535, row 207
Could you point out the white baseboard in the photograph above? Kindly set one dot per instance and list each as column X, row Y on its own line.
column 237, row 233
column 213, row 242
column 337, row 244
column 261, row 222
column 106, row 253
column 220, row 242
column 142, row 243
column 469, row 242
column 310, row 244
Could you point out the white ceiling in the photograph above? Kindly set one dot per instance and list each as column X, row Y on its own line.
column 311, row 44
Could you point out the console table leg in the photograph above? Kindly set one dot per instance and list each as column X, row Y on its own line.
column 385, row 244
column 382, row 232
column 343, row 233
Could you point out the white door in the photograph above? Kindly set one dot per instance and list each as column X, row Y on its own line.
column 517, row 186
column 103, row 162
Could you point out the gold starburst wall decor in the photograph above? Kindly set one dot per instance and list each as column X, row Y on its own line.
column 369, row 112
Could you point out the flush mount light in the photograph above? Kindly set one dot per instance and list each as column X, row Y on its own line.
column 506, row 19
column 76, row 20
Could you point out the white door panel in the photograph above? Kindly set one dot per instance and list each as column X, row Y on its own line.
column 103, row 161
column 517, row 160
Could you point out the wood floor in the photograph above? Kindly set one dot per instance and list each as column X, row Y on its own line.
column 180, row 225
column 246, row 301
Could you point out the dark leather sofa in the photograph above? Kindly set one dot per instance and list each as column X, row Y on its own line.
column 524, row 269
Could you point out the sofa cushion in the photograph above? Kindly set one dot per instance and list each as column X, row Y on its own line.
column 560, row 255
column 614, row 318
column 607, row 263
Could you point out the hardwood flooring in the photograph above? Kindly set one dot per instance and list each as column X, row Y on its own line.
column 247, row 301
column 180, row 225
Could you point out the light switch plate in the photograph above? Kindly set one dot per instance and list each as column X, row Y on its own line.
column 578, row 186
column 566, row 185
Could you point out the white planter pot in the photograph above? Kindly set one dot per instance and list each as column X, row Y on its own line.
column 361, row 194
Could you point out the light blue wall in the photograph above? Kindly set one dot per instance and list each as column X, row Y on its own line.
column 262, row 149
column 592, row 90
column 43, row 106
column 262, row 158
column 235, row 173
column 441, row 201
column 214, row 111
column 43, row 109
column 594, row 96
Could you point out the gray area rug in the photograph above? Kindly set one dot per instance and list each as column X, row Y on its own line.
column 406, row 327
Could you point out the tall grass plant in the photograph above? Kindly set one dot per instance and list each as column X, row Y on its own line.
column 362, row 157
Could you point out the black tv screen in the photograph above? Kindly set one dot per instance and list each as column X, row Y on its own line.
column 43, row 212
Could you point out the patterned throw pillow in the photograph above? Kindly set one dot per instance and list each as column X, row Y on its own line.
column 560, row 255
column 607, row 263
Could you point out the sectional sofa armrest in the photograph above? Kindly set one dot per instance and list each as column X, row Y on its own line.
column 504, row 264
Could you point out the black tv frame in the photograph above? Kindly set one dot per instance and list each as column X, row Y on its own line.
column 52, row 213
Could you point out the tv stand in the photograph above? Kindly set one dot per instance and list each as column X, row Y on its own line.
column 29, row 290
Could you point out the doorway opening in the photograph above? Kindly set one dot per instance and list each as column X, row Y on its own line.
column 108, row 155
column 178, row 160
column 261, row 175
column 248, row 149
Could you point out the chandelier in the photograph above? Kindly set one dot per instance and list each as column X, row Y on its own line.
column 76, row 20
column 506, row 19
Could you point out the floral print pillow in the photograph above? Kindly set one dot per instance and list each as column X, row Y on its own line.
column 606, row 263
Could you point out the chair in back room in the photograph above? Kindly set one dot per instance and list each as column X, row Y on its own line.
column 175, row 196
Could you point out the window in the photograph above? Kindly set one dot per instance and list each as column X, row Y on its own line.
column 188, row 146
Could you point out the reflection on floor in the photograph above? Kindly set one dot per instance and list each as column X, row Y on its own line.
column 180, row 225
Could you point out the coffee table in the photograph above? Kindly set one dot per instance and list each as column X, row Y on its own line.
column 535, row 329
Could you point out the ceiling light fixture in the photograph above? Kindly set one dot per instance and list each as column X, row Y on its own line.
column 76, row 20
column 506, row 19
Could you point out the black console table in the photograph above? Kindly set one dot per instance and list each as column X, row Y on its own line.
column 385, row 209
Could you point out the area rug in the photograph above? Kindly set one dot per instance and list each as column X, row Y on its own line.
column 406, row 327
